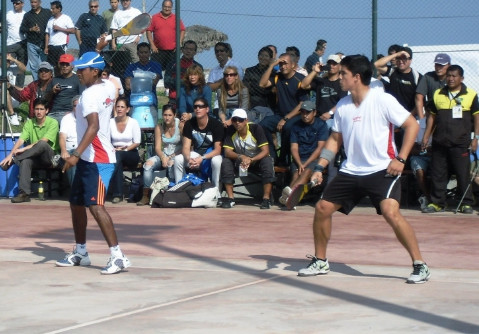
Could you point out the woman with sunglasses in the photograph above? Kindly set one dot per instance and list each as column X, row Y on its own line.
column 194, row 86
column 231, row 95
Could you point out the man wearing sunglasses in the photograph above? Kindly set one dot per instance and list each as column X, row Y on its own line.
column 246, row 148
column 89, row 27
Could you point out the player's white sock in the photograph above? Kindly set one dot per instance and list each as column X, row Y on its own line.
column 116, row 251
column 81, row 249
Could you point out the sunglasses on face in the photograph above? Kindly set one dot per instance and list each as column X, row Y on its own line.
column 402, row 58
column 199, row 106
column 93, row 6
column 43, row 70
column 238, row 119
column 230, row 75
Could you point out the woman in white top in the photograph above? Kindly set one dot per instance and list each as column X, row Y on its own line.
column 167, row 144
column 125, row 137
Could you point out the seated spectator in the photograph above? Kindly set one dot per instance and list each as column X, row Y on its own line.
column 41, row 136
column 262, row 100
column 187, row 59
column 194, row 86
column 307, row 140
column 246, row 147
column 231, row 95
column 224, row 55
column 107, row 75
column 68, row 138
column 36, row 89
column 202, row 138
column 63, row 88
column 167, row 146
column 145, row 64
column 125, row 137
column 295, row 55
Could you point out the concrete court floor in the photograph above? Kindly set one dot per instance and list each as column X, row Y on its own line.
column 234, row 271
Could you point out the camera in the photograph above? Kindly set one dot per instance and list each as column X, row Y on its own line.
column 325, row 68
column 64, row 86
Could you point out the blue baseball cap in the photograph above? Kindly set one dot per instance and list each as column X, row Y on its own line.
column 90, row 59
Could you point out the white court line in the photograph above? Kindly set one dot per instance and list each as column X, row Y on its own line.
column 146, row 309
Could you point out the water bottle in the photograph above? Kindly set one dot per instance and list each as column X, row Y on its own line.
column 41, row 194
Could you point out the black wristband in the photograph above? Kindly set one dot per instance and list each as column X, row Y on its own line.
column 401, row 160
column 318, row 168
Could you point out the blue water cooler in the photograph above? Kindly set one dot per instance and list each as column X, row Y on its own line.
column 8, row 179
column 143, row 102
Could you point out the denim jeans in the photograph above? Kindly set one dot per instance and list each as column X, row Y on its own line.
column 35, row 57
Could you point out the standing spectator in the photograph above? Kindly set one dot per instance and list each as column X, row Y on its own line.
column 231, row 95
column 189, row 51
column 33, row 27
column 94, row 158
column 161, row 34
column 125, row 137
column 108, row 14
column 307, row 140
column 120, row 19
column 89, row 27
column 455, row 113
column 63, row 88
column 194, row 86
column 144, row 63
column 16, row 45
column 316, row 56
column 246, row 147
column 11, row 103
column 59, row 27
column 41, row 138
column 370, row 158
column 68, row 137
column 202, row 138
column 167, row 146
column 290, row 96
column 222, row 52
column 39, row 88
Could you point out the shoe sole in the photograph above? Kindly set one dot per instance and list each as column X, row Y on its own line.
column 309, row 275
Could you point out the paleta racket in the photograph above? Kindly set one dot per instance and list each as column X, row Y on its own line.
column 136, row 26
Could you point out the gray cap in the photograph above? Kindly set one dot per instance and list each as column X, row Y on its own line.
column 45, row 65
column 308, row 105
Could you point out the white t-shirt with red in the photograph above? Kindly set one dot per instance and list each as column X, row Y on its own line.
column 100, row 99
column 368, row 131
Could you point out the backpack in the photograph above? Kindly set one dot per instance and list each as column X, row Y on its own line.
column 135, row 193
column 184, row 194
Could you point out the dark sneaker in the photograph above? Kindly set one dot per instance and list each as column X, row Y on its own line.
column 227, row 203
column 432, row 208
column 265, row 204
column 420, row 273
column 57, row 161
column 467, row 209
column 315, row 267
column 21, row 197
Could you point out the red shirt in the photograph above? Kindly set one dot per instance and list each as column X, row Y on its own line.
column 164, row 31
column 29, row 93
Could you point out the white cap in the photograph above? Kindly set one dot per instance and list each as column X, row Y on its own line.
column 241, row 113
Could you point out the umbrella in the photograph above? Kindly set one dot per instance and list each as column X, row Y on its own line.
column 205, row 37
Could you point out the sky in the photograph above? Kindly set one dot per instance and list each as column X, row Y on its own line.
column 345, row 24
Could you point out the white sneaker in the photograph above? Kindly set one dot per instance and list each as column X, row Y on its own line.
column 420, row 274
column 115, row 265
column 14, row 119
column 315, row 267
column 74, row 259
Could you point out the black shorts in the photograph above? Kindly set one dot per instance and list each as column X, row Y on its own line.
column 347, row 190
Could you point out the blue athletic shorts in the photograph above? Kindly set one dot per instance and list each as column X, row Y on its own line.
column 90, row 184
column 347, row 190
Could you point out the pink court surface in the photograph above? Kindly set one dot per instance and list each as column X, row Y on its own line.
column 235, row 271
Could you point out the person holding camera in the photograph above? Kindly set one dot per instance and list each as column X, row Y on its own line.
column 63, row 88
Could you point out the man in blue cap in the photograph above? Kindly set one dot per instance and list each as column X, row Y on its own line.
column 95, row 161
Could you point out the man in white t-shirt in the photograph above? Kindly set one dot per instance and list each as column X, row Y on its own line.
column 364, row 122
column 16, row 44
column 95, row 161
column 57, row 34
column 120, row 19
